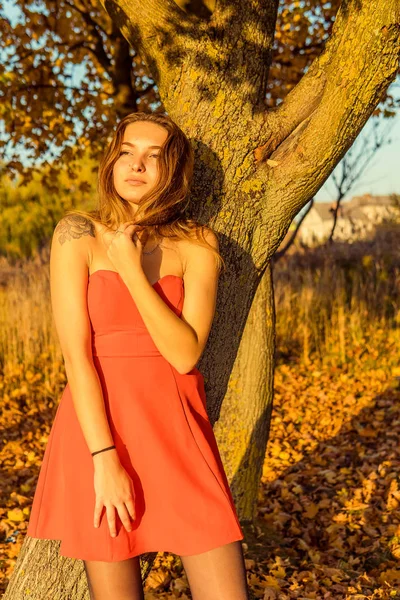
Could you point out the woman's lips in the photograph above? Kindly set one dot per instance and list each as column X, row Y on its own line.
column 135, row 182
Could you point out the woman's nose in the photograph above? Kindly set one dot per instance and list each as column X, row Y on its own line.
column 136, row 166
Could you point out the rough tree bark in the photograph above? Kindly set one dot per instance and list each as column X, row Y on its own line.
column 255, row 169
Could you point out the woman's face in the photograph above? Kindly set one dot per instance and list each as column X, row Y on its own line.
column 138, row 160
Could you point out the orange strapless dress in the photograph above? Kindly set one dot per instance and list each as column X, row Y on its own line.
column 163, row 437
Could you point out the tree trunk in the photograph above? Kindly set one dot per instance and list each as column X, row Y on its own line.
column 255, row 170
column 243, row 424
column 42, row 574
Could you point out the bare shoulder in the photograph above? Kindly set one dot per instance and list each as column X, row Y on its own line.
column 196, row 256
column 72, row 244
column 74, row 227
column 211, row 237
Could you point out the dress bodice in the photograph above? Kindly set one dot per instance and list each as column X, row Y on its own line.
column 116, row 324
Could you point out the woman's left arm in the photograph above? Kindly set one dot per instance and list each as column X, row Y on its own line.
column 181, row 340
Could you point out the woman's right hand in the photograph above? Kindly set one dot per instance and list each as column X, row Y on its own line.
column 114, row 490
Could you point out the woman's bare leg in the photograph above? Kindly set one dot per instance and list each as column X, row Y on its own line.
column 218, row 574
column 114, row 580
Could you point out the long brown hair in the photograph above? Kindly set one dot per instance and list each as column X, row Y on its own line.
column 162, row 210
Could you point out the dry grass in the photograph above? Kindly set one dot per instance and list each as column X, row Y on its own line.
column 332, row 300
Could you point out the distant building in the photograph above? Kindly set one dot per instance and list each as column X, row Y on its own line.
column 356, row 218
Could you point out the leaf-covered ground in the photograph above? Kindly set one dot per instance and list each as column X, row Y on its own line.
column 330, row 493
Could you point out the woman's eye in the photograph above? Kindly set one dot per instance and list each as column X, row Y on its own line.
column 127, row 152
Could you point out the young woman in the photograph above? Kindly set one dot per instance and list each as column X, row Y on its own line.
column 132, row 465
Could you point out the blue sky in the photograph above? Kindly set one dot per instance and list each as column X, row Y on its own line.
column 382, row 175
column 379, row 178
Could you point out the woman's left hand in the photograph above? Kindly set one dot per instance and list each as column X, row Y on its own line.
column 125, row 249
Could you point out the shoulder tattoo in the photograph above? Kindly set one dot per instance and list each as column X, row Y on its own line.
column 72, row 227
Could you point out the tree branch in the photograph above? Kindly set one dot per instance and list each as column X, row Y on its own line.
column 98, row 49
column 319, row 120
column 38, row 86
column 90, row 22
column 292, row 238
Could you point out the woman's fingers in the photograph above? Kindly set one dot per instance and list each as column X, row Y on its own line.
column 124, row 516
column 124, row 504
column 111, row 520
column 134, row 230
column 97, row 512
column 130, row 505
column 126, row 511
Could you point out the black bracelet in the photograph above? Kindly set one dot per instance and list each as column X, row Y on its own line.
column 104, row 449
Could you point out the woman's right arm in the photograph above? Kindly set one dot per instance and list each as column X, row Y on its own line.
column 69, row 260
